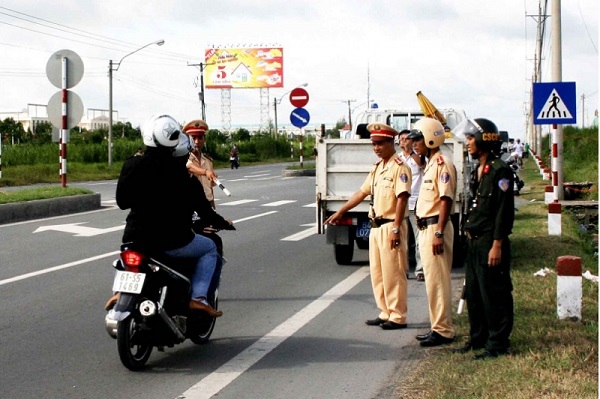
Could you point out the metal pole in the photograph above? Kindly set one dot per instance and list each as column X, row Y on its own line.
column 62, row 137
column 275, row 108
column 557, row 137
column 110, row 111
column 301, row 149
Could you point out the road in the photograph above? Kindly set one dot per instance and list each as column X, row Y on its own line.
column 293, row 324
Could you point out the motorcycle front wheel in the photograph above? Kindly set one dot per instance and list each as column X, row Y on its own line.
column 134, row 350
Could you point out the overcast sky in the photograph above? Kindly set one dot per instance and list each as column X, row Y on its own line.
column 471, row 54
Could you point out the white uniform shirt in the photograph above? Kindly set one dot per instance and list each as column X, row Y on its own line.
column 417, row 178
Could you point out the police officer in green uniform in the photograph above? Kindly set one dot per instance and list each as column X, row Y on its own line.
column 489, row 222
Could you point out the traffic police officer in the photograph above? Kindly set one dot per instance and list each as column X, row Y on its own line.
column 488, row 289
column 388, row 184
column 199, row 163
column 434, row 206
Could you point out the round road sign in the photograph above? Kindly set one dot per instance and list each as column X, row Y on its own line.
column 300, row 117
column 299, row 97
column 74, row 68
column 74, row 109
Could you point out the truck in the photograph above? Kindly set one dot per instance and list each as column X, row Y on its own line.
column 343, row 164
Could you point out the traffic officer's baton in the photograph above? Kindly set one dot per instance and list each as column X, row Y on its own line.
column 222, row 187
column 461, row 303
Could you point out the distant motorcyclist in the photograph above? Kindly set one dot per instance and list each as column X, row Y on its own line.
column 161, row 195
column 234, row 157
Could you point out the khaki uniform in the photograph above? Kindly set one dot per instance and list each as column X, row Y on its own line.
column 204, row 162
column 388, row 266
column 439, row 180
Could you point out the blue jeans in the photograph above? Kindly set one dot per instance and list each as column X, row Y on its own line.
column 208, row 265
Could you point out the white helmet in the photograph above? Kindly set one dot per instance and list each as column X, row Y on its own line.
column 161, row 131
column 184, row 147
column 432, row 131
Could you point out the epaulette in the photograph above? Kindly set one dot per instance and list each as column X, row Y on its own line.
column 378, row 162
column 207, row 157
column 398, row 160
column 440, row 160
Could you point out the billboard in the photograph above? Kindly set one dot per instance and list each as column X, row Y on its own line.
column 232, row 68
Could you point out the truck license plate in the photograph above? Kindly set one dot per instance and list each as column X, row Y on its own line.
column 363, row 229
column 131, row 283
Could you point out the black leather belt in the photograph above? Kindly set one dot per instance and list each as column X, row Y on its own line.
column 380, row 222
column 422, row 223
column 472, row 236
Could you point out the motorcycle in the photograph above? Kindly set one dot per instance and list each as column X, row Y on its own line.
column 234, row 160
column 152, row 309
column 512, row 164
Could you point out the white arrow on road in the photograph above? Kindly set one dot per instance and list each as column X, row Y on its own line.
column 77, row 230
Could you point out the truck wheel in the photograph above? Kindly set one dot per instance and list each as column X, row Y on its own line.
column 362, row 243
column 343, row 253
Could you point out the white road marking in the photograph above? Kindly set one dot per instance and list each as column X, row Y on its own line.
column 93, row 258
column 278, row 203
column 234, row 180
column 232, row 203
column 260, row 175
column 215, row 382
column 301, row 235
column 269, row 178
column 311, row 205
column 79, row 231
column 56, row 268
column 112, row 208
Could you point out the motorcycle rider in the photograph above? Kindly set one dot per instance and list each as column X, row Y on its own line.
column 160, row 194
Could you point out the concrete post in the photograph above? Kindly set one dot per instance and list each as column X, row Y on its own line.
column 554, row 219
column 568, row 287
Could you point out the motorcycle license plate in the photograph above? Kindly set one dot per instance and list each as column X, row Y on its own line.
column 363, row 229
column 131, row 283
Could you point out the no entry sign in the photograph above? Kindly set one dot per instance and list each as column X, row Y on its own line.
column 299, row 97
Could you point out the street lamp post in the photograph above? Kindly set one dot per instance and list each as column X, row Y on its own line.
column 278, row 101
column 111, row 68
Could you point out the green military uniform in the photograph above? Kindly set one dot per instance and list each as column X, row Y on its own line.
column 489, row 289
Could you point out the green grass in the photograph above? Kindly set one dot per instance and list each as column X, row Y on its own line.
column 32, row 194
column 550, row 358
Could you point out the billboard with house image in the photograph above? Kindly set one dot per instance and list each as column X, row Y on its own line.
column 230, row 68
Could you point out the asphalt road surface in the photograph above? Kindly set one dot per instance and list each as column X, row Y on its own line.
column 293, row 323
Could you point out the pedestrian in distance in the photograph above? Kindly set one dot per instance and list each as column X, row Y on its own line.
column 388, row 184
column 489, row 222
column 416, row 165
column 199, row 163
column 436, row 238
column 139, row 152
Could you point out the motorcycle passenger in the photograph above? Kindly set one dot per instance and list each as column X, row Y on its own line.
column 160, row 194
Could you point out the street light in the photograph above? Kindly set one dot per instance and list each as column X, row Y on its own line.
column 111, row 68
column 278, row 101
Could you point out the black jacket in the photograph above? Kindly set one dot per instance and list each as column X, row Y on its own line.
column 162, row 197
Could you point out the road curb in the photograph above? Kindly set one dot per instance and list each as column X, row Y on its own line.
column 20, row 211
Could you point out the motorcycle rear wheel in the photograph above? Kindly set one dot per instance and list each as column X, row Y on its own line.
column 204, row 324
column 133, row 351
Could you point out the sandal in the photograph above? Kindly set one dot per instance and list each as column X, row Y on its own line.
column 420, row 277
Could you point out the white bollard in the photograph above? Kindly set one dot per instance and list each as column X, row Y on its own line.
column 568, row 287
column 546, row 174
column 554, row 219
column 549, row 194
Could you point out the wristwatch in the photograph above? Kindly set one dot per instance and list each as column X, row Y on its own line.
column 439, row 234
column 395, row 230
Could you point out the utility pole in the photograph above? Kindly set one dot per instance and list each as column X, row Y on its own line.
column 201, row 93
column 583, row 111
column 536, row 130
column 557, row 137
column 349, row 112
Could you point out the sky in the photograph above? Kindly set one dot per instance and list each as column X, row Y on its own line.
column 469, row 54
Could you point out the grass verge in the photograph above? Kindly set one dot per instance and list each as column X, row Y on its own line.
column 32, row 194
column 550, row 358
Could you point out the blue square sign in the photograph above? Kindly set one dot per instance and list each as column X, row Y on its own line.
column 554, row 103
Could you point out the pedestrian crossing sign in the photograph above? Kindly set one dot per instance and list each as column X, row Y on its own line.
column 554, row 103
